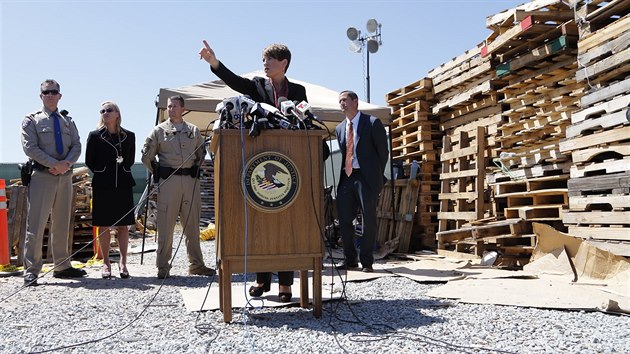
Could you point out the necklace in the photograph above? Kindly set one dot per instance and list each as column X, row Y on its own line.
column 117, row 146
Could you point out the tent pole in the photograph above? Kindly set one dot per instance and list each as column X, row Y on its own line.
column 146, row 209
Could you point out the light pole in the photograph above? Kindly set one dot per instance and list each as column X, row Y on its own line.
column 372, row 40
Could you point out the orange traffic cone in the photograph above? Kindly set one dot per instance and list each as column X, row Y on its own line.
column 5, row 256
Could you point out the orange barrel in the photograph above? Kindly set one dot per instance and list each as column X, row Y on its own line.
column 5, row 257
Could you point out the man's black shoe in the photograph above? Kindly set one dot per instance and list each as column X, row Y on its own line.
column 346, row 266
column 30, row 280
column 367, row 270
column 69, row 273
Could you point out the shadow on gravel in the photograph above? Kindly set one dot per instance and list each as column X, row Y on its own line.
column 346, row 318
column 140, row 283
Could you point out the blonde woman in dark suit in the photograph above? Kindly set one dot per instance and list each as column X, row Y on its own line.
column 109, row 154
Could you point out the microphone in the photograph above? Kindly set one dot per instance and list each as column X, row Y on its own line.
column 262, row 118
column 288, row 108
column 282, row 120
column 304, row 109
column 227, row 109
column 246, row 105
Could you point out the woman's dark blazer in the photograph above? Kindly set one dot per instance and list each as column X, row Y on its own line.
column 101, row 154
column 258, row 88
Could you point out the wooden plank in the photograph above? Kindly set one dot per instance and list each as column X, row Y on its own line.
column 507, row 36
column 605, row 48
column 596, row 38
column 599, row 138
column 597, row 202
column 535, row 55
column 460, row 99
column 596, row 217
column 604, row 122
column 463, row 152
column 614, row 61
column 482, row 68
column 588, row 185
column 618, row 88
column 457, row 215
column 600, row 233
column 606, row 107
column 485, row 117
column 600, row 168
column 458, row 195
column 535, row 212
column 524, row 76
column 507, row 17
column 582, row 156
column 467, row 55
column 422, row 88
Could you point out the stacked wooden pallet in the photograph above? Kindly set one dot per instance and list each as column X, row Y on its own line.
column 468, row 112
column 545, row 97
column 81, row 232
column 599, row 136
column 536, row 49
column 416, row 137
column 207, row 192
column 413, row 127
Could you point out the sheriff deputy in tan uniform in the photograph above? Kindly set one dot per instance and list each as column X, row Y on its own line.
column 52, row 141
column 179, row 147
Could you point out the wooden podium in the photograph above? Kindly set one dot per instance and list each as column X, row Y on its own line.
column 269, row 208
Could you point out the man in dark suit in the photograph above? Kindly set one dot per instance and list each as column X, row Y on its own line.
column 363, row 143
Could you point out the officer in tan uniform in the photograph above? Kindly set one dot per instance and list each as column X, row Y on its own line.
column 179, row 148
column 52, row 141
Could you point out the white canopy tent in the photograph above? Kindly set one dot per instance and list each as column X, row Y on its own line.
column 202, row 99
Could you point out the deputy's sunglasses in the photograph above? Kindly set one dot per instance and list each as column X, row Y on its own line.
column 50, row 92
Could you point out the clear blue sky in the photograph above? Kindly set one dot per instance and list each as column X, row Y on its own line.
column 126, row 50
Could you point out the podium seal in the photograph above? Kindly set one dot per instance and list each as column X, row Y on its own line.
column 271, row 181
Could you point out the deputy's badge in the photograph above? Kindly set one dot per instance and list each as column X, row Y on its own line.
column 26, row 122
column 271, row 181
column 119, row 159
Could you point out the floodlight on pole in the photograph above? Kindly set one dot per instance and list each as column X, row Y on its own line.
column 372, row 40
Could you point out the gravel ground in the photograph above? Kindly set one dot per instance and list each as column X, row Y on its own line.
column 391, row 314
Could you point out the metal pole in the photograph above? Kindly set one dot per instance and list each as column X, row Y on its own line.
column 367, row 78
column 146, row 209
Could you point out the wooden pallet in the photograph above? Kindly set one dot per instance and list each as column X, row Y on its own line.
column 600, row 16
column 422, row 88
column 612, row 164
column 206, row 189
column 17, row 216
column 460, row 164
column 404, row 199
column 512, row 239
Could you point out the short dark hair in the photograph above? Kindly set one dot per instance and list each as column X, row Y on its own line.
column 351, row 94
column 50, row 81
column 278, row 52
column 177, row 98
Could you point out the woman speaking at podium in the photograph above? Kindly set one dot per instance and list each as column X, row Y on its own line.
column 276, row 59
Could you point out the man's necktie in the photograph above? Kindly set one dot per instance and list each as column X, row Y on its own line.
column 58, row 139
column 349, row 149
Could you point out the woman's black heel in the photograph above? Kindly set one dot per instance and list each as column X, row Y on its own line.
column 257, row 291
